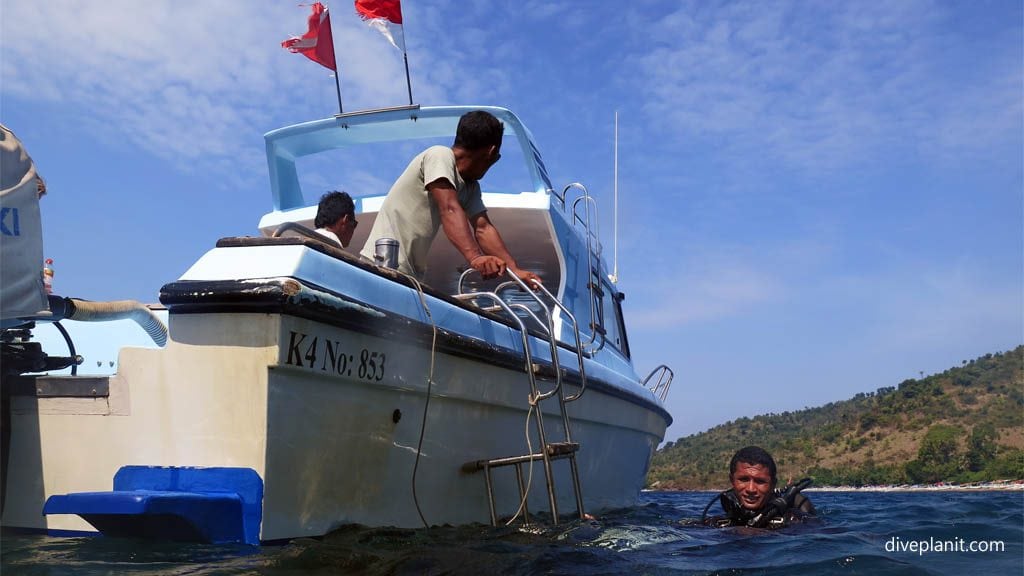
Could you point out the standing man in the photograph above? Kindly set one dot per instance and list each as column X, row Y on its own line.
column 336, row 217
column 440, row 189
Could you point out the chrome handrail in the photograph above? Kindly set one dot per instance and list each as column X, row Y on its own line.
column 581, row 352
column 588, row 201
column 522, row 328
column 552, row 337
column 538, row 396
column 660, row 389
column 525, row 308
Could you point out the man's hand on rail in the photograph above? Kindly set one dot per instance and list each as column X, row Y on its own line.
column 531, row 279
column 488, row 266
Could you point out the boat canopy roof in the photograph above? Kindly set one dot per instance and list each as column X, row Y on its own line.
column 287, row 144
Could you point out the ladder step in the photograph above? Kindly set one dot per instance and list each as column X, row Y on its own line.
column 556, row 451
column 562, row 448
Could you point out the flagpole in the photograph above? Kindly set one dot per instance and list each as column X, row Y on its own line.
column 408, row 83
column 405, row 57
column 337, row 81
column 337, row 86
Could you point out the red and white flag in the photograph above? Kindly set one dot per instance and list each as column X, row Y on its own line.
column 386, row 17
column 317, row 44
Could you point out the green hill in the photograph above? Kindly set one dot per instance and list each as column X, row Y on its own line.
column 963, row 425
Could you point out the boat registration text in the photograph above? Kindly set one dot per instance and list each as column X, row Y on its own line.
column 326, row 355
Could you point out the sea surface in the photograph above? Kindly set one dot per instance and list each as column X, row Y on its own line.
column 859, row 532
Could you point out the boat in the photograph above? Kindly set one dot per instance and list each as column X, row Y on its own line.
column 300, row 388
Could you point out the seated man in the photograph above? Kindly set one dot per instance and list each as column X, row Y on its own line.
column 440, row 188
column 753, row 499
column 336, row 217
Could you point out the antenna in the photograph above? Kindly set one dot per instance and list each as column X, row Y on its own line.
column 614, row 276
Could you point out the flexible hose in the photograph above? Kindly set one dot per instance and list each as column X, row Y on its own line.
column 704, row 515
column 88, row 311
column 426, row 403
column 71, row 347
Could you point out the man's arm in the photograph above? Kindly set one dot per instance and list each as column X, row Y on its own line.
column 490, row 241
column 456, row 228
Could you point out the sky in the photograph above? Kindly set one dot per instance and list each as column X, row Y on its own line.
column 816, row 199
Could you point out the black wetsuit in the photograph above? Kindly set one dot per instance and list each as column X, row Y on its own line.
column 768, row 516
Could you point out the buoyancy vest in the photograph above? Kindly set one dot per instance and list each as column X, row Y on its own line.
column 783, row 508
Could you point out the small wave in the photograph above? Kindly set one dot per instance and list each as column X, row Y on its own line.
column 653, row 538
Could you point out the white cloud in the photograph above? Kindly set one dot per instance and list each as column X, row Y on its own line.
column 188, row 82
column 197, row 83
column 821, row 86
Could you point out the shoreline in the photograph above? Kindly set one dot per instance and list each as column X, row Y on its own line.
column 983, row 487
column 1003, row 486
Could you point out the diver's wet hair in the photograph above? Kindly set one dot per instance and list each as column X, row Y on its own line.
column 753, row 455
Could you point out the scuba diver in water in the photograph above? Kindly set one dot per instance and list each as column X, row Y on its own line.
column 753, row 499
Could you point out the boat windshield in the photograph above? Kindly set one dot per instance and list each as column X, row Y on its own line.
column 369, row 169
column 365, row 152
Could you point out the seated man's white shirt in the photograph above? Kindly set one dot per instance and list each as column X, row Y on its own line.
column 329, row 234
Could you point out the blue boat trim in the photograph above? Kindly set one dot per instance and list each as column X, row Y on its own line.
column 213, row 505
column 348, row 258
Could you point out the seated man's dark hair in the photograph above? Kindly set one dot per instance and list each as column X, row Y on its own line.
column 333, row 205
column 478, row 129
column 753, row 455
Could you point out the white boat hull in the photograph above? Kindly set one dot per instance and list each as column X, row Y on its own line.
column 254, row 391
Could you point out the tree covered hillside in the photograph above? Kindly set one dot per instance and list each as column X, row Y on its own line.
column 963, row 425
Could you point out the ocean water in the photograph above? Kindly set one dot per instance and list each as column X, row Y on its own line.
column 858, row 533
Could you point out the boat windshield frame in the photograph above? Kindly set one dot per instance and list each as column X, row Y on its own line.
column 286, row 145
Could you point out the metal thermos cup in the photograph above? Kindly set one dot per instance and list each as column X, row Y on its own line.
column 385, row 252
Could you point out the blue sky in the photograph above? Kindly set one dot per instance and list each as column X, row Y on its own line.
column 817, row 198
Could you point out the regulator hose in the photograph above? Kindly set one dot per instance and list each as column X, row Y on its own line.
column 780, row 504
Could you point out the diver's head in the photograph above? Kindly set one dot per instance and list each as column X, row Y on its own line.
column 752, row 474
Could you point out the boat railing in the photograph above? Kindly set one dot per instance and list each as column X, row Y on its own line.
column 528, row 359
column 592, row 228
column 548, row 326
column 662, row 384
column 592, row 234
column 580, row 351
column 525, row 310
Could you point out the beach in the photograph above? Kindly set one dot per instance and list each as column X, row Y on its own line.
column 998, row 485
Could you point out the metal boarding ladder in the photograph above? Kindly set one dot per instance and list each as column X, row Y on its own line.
column 549, row 451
